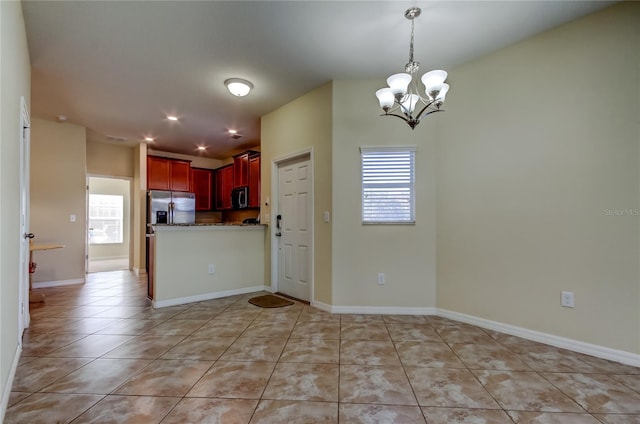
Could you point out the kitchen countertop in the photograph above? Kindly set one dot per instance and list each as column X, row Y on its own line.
column 209, row 224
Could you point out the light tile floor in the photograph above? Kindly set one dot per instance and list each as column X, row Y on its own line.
column 98, row 353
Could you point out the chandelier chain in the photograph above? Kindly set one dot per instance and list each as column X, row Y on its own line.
column 411, row 45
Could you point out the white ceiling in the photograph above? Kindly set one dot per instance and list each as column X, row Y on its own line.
column 119, row 67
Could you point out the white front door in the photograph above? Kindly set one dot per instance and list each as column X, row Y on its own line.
column 25, row 150
column 294, row 219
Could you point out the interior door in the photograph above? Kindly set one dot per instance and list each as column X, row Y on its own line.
column 25, row 153
column 295, row 226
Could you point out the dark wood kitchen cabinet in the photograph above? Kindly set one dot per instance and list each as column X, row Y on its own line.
column 224, row 186
column 241, row 170
column 254, row 181
column 202, row 186
column 180, row 175
column 168, row 174
column 158, row 173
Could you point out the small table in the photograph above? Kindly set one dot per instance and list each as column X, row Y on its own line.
column 35, row 298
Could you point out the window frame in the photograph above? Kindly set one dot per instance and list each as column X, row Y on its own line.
column 411, row 150
column 119, row 219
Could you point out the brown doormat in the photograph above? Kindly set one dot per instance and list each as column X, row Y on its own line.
column 269, row 301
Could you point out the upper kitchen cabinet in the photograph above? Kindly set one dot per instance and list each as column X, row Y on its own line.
column 202, row 186
column 224, row 186
column 168, row 174
column 254, row 181
column 158, row 173
column 241, row 170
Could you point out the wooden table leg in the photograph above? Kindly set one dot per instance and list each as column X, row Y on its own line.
column 33, row 297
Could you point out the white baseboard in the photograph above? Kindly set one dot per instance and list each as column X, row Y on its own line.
column 6, row 390
column 550, row 339
column 139, row 271
column 208, row 296
column 377, row 310
column 107, row 258
column 44, row 284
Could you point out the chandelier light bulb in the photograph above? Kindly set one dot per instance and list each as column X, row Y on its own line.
column 398, row 83
column 238, row 86
column 409, row 103
column 443, row 93
column 385, row 97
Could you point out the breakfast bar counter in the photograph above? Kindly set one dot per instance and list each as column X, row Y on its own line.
column 196, row 262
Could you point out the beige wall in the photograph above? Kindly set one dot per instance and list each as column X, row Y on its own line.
column 58, row 189
column 118, row 187
column 109, row 159
column 183, row 255
column 14, row 83
column 305, row 123
column 538, row 185
column 405, row 253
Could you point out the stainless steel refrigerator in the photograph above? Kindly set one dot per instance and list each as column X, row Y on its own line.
column 171, row 207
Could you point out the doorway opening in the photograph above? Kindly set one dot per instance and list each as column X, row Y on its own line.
column 108, row 224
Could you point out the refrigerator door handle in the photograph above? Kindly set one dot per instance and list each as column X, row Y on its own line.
column 172, row 207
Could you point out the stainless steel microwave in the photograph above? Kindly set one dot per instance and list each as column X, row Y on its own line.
column 240, row 197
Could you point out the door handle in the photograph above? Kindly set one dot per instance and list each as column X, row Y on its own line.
column 278, row 221
column 29, row 236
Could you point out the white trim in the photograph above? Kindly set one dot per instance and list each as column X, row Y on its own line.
column 139, row 271
column 383, row 310
column 412, row 148
column 6, row 390
column 550, row 339
column 43, row 284
column 108, row 258
column 322, row 306
column 207, row 296
column 275, row 165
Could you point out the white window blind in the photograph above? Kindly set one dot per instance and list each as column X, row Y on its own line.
column 388, row 179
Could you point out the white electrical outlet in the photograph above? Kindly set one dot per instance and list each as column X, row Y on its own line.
column 567, row 299
column 212, row 269
column 381, row 278
column 325, row 216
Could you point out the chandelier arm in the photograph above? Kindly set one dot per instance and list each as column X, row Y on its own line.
column 427, row 114
column 396, row 116
column 419, row 115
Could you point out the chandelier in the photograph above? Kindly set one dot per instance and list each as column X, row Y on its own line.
column 402, row 99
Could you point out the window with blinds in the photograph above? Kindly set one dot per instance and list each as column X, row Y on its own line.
column 388, row 185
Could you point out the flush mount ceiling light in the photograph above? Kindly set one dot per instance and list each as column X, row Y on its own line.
column 238, row 86
column 148, row 139
column 234, row 134
column 402, row 99
column 202, row 148
column 172, row 117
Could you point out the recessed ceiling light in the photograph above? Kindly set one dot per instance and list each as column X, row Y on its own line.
column 172, row 118
column 149, row 139
column 238, row 86
column 202, row 148
column 233, row 131
column 61, row 118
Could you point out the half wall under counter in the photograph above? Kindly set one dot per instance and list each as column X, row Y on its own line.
column 183, row 254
